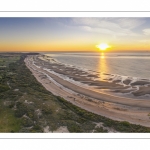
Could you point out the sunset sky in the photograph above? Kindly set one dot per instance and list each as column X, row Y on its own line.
column 74, row 34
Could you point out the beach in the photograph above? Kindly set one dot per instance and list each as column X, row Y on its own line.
column 114, row 107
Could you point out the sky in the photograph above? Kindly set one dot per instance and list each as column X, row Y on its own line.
column 74, row 34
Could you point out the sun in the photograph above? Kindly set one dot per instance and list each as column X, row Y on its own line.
column 103, row 46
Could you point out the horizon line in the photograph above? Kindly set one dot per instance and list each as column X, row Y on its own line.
column 139, row 51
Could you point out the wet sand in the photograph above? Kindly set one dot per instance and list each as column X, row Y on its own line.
column 117, row 108
column 97, row 80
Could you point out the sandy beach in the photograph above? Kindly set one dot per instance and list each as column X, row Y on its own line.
column 117, row 108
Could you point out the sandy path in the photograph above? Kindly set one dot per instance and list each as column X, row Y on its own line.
column 117, row 108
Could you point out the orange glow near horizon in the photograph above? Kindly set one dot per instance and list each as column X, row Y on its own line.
column 71, row 46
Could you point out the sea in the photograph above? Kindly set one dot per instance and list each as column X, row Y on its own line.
column 123, row 64
column 119, row 66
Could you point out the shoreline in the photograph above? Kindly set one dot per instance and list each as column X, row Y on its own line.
column 124, row 86
column 104, row 105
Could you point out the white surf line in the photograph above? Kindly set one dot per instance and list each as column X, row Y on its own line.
column 68, row 79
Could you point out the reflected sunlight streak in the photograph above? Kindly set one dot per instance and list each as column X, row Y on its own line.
column 102, row 55
column 102, row 67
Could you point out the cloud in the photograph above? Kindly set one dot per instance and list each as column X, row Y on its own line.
column 94, row 22
column 130, row 23
column 112, row 23
column 97, row 30
column 100, row 27
column 113, row 26
column 145, row 41
column 146, row 31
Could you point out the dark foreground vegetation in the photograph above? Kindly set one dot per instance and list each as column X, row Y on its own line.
column 26, row 106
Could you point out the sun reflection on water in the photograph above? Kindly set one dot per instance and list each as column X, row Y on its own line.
column 102, row 56
column 103, row 67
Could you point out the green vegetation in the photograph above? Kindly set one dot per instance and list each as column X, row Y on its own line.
column 8, row 121
column 26, row 106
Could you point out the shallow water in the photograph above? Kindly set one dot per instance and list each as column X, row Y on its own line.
column 127, row 69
